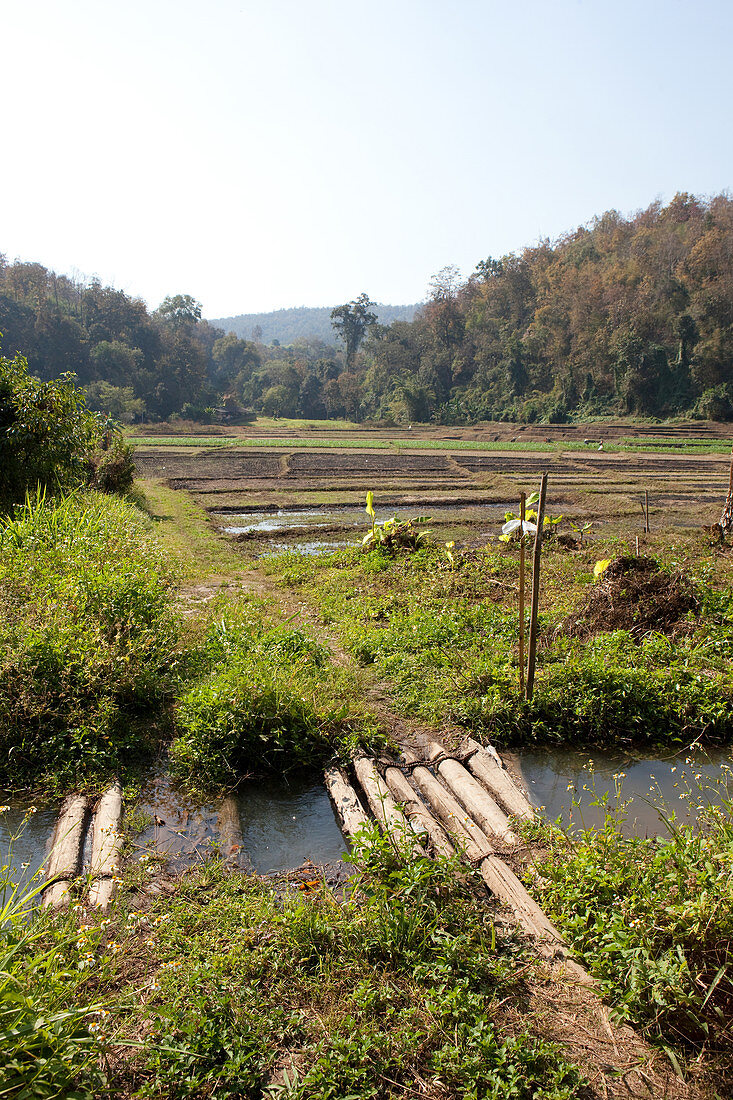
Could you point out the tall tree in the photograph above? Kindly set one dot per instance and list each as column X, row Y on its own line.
column 351, row 322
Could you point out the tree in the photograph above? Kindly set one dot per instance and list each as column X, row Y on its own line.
column 180, row 309
column 47, row 434
column 351, row 322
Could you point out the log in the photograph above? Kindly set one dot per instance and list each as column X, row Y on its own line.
column 504, row 885
column 106, row 838
column 349, row 809
column 486, row 766
column 231, row 841
column 385, row 809
column 466, row 833
column 469, row 791
column 106, row 847
column 64, row 860
column 417, row 811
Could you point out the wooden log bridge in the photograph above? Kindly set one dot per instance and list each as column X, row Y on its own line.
column 442, row 807
column 67, row 847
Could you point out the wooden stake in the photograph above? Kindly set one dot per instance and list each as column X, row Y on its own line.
column 522, row 510
column 532, row 654
column 646, row 510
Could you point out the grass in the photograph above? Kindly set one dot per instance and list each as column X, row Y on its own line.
column 446, row 638
column 408, row 445
column 652, row 918
column 87, row 638
column 47, row 1025
column 234, row 988
column 185, row 534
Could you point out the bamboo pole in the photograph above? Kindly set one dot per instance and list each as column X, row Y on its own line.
column 478, row 802
column 417, row 811
column 536, row 558
column 346, row 802
column 522, row 513
column 486, row 765
column 385, row 809
column 465, row 832
column 64, row 861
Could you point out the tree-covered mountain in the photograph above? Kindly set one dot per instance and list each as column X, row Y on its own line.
column 300, row 323
column 625, row 315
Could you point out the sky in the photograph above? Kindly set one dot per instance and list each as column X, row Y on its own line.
column 260, row 154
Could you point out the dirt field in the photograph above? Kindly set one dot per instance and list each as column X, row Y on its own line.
column 686, row 489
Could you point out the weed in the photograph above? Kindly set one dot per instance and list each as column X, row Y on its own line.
column 652, row 918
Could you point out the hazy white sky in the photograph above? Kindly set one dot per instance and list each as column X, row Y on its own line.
column 298, row 152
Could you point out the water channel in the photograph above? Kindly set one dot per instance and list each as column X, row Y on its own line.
column 284, row 825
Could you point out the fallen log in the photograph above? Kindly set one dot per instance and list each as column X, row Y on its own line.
column 346, row 802
column 417, row 811
column 486, row 765
column 480, row 805
column 64, row 860
column 394, row 823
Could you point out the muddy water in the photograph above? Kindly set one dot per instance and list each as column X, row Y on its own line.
column 345, row 516
column 282, row 825
column 25, row 837
column 569, row 784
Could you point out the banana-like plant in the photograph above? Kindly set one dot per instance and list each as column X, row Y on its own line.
column 394, row 533
column 511, row 529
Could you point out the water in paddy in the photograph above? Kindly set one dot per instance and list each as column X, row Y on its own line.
column 282, row 825
column 567, row 783
column 346, row 516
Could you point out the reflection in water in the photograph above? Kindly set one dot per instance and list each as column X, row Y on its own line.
column 281, row 825
column 567, row 783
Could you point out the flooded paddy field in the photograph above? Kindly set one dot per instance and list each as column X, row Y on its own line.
column 686, row 489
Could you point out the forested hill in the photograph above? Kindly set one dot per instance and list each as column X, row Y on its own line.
column 300, row 323
column 625, row 315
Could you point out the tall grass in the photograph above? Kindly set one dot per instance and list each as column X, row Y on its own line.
column 86, row 636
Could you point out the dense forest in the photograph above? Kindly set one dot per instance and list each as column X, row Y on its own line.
column 300, row 323
column 627, row 315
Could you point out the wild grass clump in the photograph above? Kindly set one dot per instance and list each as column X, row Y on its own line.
column 652, row 918
column 86, row 637
column 263, row 698
column 308, row 997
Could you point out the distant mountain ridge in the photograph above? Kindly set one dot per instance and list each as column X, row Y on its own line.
column 301, row 322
